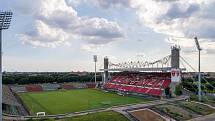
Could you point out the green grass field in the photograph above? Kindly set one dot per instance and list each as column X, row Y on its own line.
column 58, row 102
column 101, row 116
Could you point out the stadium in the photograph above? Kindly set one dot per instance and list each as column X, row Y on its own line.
column 47, row 74
column 135, row 91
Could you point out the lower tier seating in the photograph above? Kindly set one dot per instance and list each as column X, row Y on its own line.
column 34, row 88
column 67, row 86
column 151, row 84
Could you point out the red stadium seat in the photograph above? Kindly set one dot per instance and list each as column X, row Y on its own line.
column 67, row 86
column 155, row 92
column 148, row 83
column 34, row 88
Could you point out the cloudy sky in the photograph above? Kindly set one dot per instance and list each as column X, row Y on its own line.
column 63, row 35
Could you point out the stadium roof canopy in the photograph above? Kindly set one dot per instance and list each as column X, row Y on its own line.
column 164, row 69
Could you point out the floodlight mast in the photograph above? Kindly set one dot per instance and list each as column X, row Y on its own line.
column 1, row 75
column 5, row 19
column 199, row 69
column 95, row 60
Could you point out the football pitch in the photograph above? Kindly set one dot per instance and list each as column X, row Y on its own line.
column 59, row 102
column 99, row 116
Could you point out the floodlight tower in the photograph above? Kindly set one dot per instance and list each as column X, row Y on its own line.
column 5, row 19
column 199, row 73
column 95, row 60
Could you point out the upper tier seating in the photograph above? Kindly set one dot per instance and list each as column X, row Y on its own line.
column 144, row 83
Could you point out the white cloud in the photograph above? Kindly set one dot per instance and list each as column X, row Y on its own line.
column 57, row 23
column 180, row 18
column 44, row 36
column 175, row 18
column 110, row 3
column 74, row 3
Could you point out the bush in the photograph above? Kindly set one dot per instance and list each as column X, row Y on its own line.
column 178, row 90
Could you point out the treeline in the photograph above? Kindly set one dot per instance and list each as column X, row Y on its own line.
column 192, row 84
column 35, row 78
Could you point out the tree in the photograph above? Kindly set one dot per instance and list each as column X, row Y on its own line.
column 167, row 91
column 178, row 90
column 8, row 80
